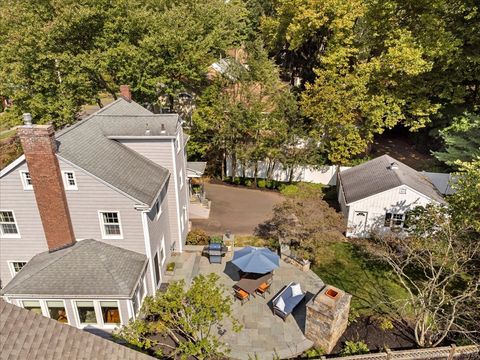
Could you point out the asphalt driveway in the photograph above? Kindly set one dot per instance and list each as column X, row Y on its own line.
column 237, row 209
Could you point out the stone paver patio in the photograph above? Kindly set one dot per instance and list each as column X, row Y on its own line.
column 264, row 334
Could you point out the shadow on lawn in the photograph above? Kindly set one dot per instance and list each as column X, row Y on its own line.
column 370, row 282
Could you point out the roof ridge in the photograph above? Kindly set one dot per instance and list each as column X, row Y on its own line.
column 67, row 251
column 83, row 121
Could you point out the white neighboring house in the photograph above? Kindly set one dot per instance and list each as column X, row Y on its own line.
column 377, row 195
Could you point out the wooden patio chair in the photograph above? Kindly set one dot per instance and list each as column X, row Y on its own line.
column 241, row 295
column 264, row 288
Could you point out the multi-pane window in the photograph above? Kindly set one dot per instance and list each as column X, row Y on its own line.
column 110, row 312
column 111, row 227
column 86, row 312
column 16, row 266
column 32, row 305
column 69, row 180
column 158, row 209
column 26, row 180
column 56, row 310
column 177, row 143
column 157, row 269
column 163, row 256
column 394, row 220
column 8, row 226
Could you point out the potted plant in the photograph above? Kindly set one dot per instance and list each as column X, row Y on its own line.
column 170, row 268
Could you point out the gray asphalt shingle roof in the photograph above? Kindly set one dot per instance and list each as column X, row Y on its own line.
column 376, row 176
column 88, row 268
column 26, row 335
column 87, row 145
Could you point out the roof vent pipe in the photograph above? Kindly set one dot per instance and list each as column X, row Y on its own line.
column 393, row 166
column 162, row 129
column 27, row 119
column 147, row 130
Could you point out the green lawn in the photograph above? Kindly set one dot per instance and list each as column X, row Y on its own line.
column 372, row 284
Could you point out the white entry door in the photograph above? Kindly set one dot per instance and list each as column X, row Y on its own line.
column 359, row 222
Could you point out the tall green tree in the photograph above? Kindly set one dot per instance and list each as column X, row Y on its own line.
column 370, row 65
column 465, row 203
column 247, row 115
column 461, row 139
column 188, row 317
column 56, row 55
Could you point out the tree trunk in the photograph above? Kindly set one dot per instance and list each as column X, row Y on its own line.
column 224, row 159
column 255, row 172
column 233, row 159
column 290, row 176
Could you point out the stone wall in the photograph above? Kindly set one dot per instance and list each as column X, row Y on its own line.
column 327, row 317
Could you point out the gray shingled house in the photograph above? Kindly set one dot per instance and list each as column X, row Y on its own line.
column 378, row 193
column 27, row 335
column 118, row 177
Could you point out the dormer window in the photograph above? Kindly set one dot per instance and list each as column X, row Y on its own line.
column 69, row 180
column 26, row 180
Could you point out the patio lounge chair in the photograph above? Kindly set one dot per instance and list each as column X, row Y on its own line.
column 285, row 302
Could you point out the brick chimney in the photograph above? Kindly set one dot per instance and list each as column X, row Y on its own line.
column 39, row 147
column 125, row 92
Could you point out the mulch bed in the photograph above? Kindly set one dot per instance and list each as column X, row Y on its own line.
column 366, row 329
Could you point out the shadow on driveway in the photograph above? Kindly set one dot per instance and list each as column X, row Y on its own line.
column 237, row 209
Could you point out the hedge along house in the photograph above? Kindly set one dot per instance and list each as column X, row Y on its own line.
column 376, row 195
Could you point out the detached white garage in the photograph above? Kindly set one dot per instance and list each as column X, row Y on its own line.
column 378, row 193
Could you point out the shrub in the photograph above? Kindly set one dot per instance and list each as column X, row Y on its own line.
column 215, row 239
column 314, row 353
column 301, row 190
column 386, row 324
column 248, row 182
column 354, row 348
column 261, row 184
column 197, row 237
column 236, row 181
column 353, row 316
column 170, row 266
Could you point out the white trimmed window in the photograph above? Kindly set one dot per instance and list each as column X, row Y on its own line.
column 177, row 142
column 86, row 312
column 163, row 255
column 69, row 180
column 33, row 305
column 26, row 180
column 110, row 312
column 110, row 224
column 16, row 266
column 8, row 225
column 158, row 209
column 57, row 311
column 394, row 220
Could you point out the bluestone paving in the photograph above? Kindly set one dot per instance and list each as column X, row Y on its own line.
column 263, row 334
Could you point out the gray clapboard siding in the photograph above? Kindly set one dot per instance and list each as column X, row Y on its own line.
column 93, row 196
column 158, row 229
column 22, row 202
column 161, row 152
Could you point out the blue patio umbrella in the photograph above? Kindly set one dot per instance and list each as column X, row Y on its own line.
column 255, row 260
